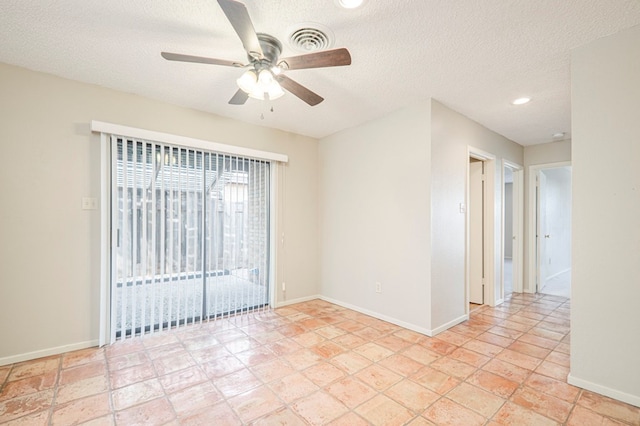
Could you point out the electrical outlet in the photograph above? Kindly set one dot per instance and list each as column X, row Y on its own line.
column 284, row 286
column 378, row 287
column 89, row 203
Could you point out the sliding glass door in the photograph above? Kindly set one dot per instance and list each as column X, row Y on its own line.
column 190, row 234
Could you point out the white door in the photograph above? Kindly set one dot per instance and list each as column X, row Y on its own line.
column 543, row 232
column 476, row 232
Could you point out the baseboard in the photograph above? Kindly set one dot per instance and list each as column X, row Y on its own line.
column 557, row 274
column 450, row 324
column 47, row 352
column 283, row 303
column 379, row 316
column 603, row 390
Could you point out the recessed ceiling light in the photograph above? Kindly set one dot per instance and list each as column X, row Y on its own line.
column 521, row 101
column 558, row 135
column 350, row 4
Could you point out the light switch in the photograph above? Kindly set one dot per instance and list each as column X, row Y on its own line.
column 89, row 203
column 463, row 208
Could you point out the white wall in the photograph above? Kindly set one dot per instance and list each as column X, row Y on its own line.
column 548, row 153
column 374, row 216
column 451, row 135
column 605, row 320
column 49, row 247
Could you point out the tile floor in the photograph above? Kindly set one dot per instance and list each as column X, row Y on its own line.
column 318, row 363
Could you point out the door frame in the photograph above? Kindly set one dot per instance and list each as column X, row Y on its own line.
column 518, row 228
column 489, row 226
column 532, row 237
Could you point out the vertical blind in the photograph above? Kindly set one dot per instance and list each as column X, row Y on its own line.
column 190, row 232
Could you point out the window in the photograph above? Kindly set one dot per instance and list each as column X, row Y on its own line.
column 190, row 232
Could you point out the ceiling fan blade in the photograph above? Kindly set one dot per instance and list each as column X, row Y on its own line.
column 239, row 98
column 238, row 15
column 199, row 59
column 327, row 58
column 299, row 90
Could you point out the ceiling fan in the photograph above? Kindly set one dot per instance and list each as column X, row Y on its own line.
column 264, row 78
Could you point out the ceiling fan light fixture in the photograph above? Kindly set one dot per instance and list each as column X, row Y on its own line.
column 248, row 81
column 265, row 87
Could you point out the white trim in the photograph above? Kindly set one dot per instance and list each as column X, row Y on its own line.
column 604, row 390
column 392, row 320
column 564, row 271
column 448, row 325
column 47, row 352
column 518, row 224
column 105, row 239
column 150, row 135
column 299, row 300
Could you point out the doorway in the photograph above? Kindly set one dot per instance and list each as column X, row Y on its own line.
column 551, row 242
column 476, row 232
column 512, row 229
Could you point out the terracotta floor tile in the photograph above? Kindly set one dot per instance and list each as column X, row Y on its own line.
column 373, row 351
column 482, row 402
column 493, row 383
column 84, row 356
column 559, row 358
column 128, row 360
column 547, row 334
column 408, row 335
column 393, row 343
column 200, row 342
column 435, row 380
column 159, row 339
column 447, row 412
column 452, row 367
column 541, row 403
column 28, row 385
column 191, row 400
column 351, row 392
column 330, row 332
column 182, row 379
column 512, row 414
column 81, row 410
column 469, row 357
column 420, row 421
column 506, row 332
column 453, row 338
column 40, row 418
column 257, row 356
column 580, row 416
column 327, row 349
column 553, row 387
column 382, row 410
column 255, row 403
column 131, row 375
column 420, row 354
column 350, row 326
column 137, row 393
column 283, row 347
column 308, row 339
column 319, row 408
column 282, row 417
column 293, row 387
column 174, row 362
column 369, row 333
column 610, row 407
column 401, row 364
column 218, row 414
column 272, row 370
column 494, row 339
column 350, row 362
column 24, row 405
column 350, row 341
column 527, row 349
column 378, row 377
column 34, row 368
column 437, row 345
column 303, row 359
column 485, row 348
column 554, row 370
column 222, row 366
column 349, row 419
column 507, row 370
column 158, row 411
column 519, row 359
column 205, row 355
column 412, row 395
column 124, row 347
column 236, row 383
column 81, row 389
column 323, row 374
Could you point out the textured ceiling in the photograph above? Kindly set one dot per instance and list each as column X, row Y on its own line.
column 474, row 56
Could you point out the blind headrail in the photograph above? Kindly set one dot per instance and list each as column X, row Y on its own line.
column 150, row 135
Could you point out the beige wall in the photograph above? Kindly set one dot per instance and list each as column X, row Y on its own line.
column 605, row 319
column 451, row 136
column 49, row 247
column 374, row 217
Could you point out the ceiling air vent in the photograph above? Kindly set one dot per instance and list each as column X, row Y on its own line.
column 310, row 37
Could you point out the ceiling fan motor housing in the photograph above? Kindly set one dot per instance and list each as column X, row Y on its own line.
column 271, row 49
